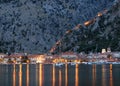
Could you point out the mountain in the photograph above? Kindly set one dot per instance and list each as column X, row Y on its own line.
column 103, row 31
column 34, row 26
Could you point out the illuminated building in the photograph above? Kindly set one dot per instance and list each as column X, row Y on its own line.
column 99, row 14
column 2, row 55
column 69, row 55
column 38, row 58
column 103, row 51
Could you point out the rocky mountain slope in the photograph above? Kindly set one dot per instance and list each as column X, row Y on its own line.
column 103, row 31
column 33, row 26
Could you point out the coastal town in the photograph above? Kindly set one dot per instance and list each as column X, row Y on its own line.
column 104, row 57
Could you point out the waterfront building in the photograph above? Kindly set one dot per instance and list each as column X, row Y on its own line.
column 116, row 54
column 2, row 55
column 102, row 55
column 103, row 51
column 108, row 50
column 48, row 56
column 82, row 55
column 37, row 58
column 69, row 55
column 57, row 59
column 14, row 58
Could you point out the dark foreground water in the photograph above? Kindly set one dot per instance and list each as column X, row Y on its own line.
column 49, row 75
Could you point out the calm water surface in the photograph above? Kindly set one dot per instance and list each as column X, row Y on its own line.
column 50, row 75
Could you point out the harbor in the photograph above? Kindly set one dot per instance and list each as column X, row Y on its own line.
column 67, row 75
column 105, row 57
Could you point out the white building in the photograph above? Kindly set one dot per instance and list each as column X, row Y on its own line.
column 103, row 51
column 108, row 50
column 69, row 55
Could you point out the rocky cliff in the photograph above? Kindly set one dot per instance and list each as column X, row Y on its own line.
column 33, row 26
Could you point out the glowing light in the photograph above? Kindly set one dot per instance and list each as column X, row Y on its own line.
column 20, row 57
column 87, row 23
column 53, row 80
column 68, row 31
column 66, row 75
column 76, row 76
column 28, row 61
column 20, row 75
column 14, row 61
column 99, row 14
column 14, row 75
column 40, row 59
column 41, row 75
column 60, row 78
column 27, row 77
column 103, row 75
column 111, row 77
column 103, row 50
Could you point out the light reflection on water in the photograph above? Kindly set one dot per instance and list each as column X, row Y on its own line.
column 41, row 77
column 14, row 75
column 111, row 76
column 27, row 75
column 76, row 75
column 103, row 75
column 60, row 78
column 50, row 75
column 93, row 74
column 66, row 75
column 20, row 75
column 53, row 78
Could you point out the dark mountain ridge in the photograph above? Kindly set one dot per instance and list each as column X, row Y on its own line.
column 103, row 31
column 33, row 26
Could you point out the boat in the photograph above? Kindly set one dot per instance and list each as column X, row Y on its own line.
column 72, row 63
column 59, row 64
